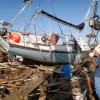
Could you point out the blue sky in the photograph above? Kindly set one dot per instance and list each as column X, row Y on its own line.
column 72, row 11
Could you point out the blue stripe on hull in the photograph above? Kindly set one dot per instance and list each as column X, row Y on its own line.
column 47, row 57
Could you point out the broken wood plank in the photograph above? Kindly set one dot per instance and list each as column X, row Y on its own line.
column 24, row 91
column 2, row 65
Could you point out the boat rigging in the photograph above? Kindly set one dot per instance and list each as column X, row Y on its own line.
column 94, row 23
column 27, row 2
column 57, row 49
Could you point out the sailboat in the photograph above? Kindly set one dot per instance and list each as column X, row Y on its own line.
column 51, row 49
column 54, row 50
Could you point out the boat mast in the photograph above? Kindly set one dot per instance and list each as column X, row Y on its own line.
column 27, row 2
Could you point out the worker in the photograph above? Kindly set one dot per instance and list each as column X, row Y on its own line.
column 95, row 55
column 67, row 71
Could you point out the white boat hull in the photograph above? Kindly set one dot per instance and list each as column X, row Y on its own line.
column 54, row 54
column 46, row 56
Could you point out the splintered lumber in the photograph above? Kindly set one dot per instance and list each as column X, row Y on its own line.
column 24, row 91
column 2, row 65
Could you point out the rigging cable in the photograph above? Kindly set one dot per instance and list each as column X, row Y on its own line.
column 44, row 55
column 26, row 4
column 55, row 16
column 61, row 29
column 39, row 27
column 40, row 18
column 26, row 26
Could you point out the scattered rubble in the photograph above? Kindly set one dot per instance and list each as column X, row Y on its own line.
column 20, row 81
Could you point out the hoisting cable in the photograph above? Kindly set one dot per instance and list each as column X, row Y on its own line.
column 91, row 36
column 55, row 16
column 27, row 2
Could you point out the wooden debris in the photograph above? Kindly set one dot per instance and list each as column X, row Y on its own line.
column 24, row 82
column 24, row 91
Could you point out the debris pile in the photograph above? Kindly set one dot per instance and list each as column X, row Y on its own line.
column 13, row 76
column 37, row 82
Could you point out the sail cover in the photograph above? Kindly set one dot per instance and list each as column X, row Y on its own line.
column 80, row 26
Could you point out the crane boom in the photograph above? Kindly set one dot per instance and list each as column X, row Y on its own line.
column 89, row 10
column 95, row 9
column 95, row 22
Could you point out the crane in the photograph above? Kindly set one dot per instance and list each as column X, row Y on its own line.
column 95, row 27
